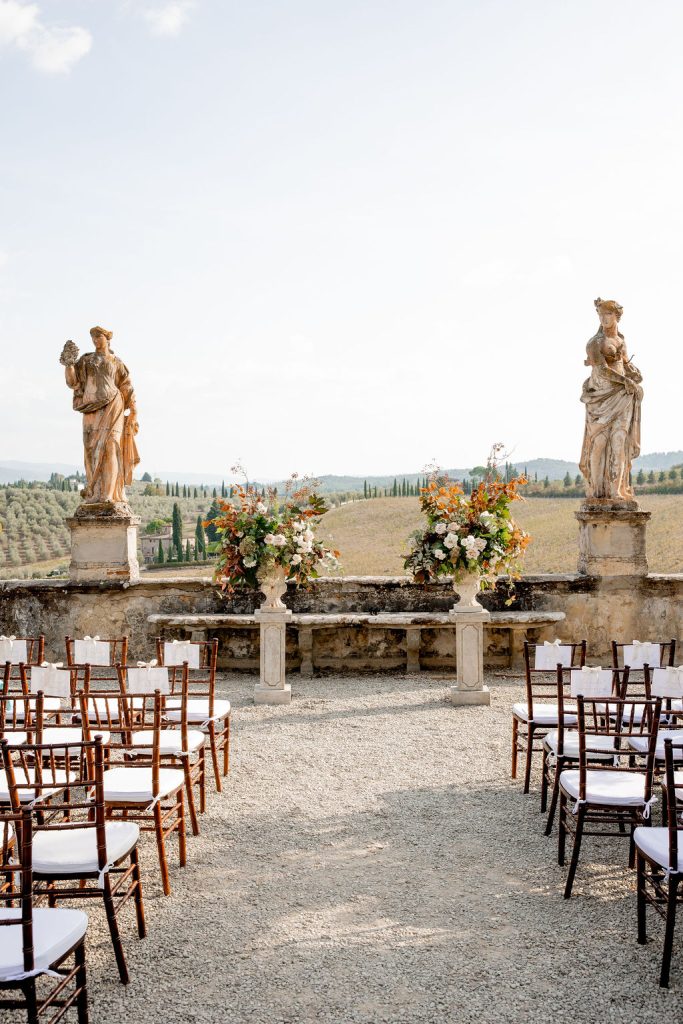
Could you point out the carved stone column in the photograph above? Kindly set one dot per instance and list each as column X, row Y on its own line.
column 104, row 543
column 413, row 638
column 306, row 650
column 469, row 648
column 272, row 688
column 612, row 539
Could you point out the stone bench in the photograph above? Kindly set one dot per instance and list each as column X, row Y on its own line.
column 519, row 626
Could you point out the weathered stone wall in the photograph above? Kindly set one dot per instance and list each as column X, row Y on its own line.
column 599, row 609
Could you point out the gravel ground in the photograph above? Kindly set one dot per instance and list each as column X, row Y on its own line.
column 370, row 860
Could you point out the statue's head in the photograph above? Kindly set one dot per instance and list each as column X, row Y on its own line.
column 609, row 312
column 101, row 338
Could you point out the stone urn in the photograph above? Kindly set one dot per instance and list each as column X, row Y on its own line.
column 467, row 588
column 274, row 585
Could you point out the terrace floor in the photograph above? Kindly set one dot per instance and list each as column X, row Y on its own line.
column 370, row 860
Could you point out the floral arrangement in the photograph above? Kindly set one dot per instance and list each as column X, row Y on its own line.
column 468, row 533
column 261, row 534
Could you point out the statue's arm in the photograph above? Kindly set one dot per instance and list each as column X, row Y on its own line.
column 125, row 386
column 70, row 376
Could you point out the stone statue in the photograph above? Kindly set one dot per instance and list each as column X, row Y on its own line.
column 103, row 393
column 612, row 396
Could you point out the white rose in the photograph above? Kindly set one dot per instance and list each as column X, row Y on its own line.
column 269, row 539
column 299, row 526
column 450, row 541
column 438, row 553
column 308, row 535
column 440, row 528
column 279, row 541
column 453, row 527
column 296, row 559
column 261, row 508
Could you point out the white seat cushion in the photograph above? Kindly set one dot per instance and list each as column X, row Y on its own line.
column 654, row 842
column 571, row 745
column 72, row 734
column 55, row 931
column 50, row 784
column 50, row 704
column 197, row 709
column 641, row 743
column 74, row 851
column 15, row 739
column 171, row 740
column 134, row 785
column 606, row 788
column 544, row 714
column 108, row 708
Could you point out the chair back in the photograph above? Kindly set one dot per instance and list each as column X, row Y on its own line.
column 638, row 654
column 673, row 754
column 102, row 654
column 121, row 714
column 21, row 718
column 542, row 683
column 620, row 720
column 22, row 650
column 201, row 657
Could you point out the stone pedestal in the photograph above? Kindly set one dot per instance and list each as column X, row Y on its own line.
column 612, row 539
column 272, row 688
column 469, row 648
column 104, row 543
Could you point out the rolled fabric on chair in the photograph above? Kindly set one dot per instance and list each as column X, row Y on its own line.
column 52, row 679
column 178, row 651
column 667, row 682
column 591, row 681
column 637, row 654
column 92, row 651
column 551, row 654
column 13, row 650
column 148, row 677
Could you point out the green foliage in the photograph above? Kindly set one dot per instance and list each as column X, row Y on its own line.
column 160, row 554
column 177, row 534
column 146, row 478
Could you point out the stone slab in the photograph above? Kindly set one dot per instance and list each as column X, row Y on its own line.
column 612, row 540
column 104, row 547
column 470, row 698
column 272, row 694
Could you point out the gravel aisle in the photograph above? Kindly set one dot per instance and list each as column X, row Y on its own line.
column 371, row 860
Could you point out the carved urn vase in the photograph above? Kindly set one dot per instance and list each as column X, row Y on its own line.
column 467, row 588
column 274, row 586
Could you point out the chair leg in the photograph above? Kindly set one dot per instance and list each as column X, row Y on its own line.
column 29, row 990
column 194, row 821
column 553, row 800
column 182, row 835
column 515, row 734
column 562, row 831
column 82, row 982
column 578, row 835
column 114, row 931
column 669, row 933
column 139, row 902
column 202, row 780
column 214, row 757
column 640, row 894
column 161, row 847
column 544, row 781
column 226, row 745
column 529, row 753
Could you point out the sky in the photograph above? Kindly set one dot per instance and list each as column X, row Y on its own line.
column 338, row 237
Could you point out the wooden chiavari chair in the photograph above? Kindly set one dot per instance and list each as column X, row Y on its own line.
column 561, row 745
column 36, row 942
column 659, row 863
column 21, row 718
column 636, row 655
column 73, row 844
column 605, row 795
column 534, row 718
column 178, row 743
column 204, row 710
column 101, row 654
column 143, row 792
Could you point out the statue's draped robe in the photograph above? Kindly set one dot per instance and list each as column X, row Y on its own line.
column 612, row 418
column 103, row 392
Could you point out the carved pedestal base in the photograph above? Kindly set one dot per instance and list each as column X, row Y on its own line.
column 469, row 648
column 612, row 539
column 104, row 543
column 272, row 688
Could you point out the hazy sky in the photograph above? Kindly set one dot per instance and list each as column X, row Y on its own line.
column 338, row 236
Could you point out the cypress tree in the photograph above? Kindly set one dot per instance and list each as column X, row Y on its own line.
column 160, row 554
column 168, row 490
column 177, row 534
column 200, row 536
column 365, row 488
column 222, row 488
column 188, row 555
column 214, row 493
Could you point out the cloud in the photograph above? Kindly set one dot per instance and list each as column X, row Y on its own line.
column 51, row 49
column 169, row 18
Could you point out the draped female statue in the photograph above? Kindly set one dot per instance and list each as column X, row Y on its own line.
column 103, row 393
column 612, row 396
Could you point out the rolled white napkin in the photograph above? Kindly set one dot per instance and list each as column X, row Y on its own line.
column 591, row 681
column 552, row 654
column 52, row 679
column 147, row 678
column 92, row 651
column 178, row 651
column 667, row 682
column 637, row 654
column 12, row 650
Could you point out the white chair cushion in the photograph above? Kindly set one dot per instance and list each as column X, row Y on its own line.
column 171, row 740
column 72, row 734
column 198, row 709
column 641, row 743
column 544, row 714
column 52, row 784
column 74, row 851
column 613, row 789
column 108, row 708
column 50, row 704
column 55, row 931
column 654, row 842
column 15, row 739
column 571, row 745
column 134, row 785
